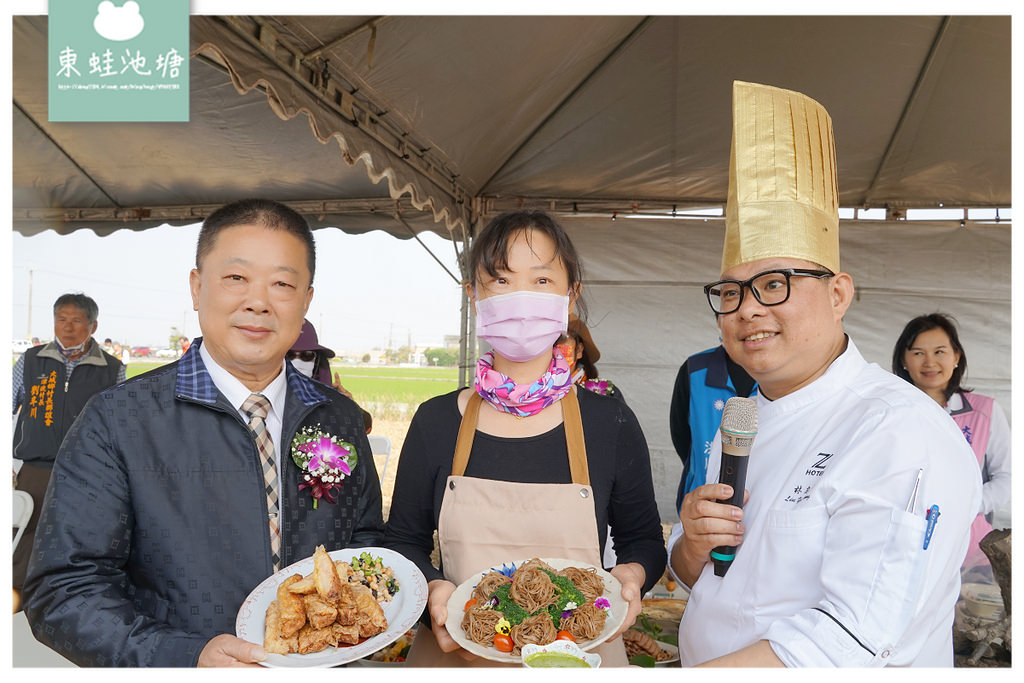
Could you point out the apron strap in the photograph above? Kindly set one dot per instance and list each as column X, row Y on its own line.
column 573, row 437
column 467, row 430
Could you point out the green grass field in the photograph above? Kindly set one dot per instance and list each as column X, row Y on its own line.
column 383, row 384
column 390, row 385
column 137, row 367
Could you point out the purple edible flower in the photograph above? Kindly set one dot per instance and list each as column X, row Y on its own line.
column 602, row 603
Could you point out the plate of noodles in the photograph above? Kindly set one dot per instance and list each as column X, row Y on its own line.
column 498, row 611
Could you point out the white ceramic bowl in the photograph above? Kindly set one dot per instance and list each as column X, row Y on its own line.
column 562, row 647
column 983, row 600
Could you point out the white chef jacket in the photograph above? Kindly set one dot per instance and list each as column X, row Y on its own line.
column 832, row 570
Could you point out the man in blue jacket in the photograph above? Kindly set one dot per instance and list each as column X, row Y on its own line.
column 176, row 493
column 705, row 382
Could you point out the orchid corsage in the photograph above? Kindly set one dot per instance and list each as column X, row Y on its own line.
column 324, row 461
column 599, row 386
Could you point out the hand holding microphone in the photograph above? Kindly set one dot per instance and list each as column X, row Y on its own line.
column 738, row 429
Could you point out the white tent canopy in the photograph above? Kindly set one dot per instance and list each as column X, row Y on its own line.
column 600, row 113
column 408, row 124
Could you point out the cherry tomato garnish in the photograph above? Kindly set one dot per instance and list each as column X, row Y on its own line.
column 469, row 603
column 565, row 635
column 503, row 643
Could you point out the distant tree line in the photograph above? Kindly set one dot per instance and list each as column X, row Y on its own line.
column 444, row 357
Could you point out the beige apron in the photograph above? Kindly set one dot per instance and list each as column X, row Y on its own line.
column 484, row 523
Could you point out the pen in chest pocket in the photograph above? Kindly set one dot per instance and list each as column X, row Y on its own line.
column 913, row 494
column 933, row 517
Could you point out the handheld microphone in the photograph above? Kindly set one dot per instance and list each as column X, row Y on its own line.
column 739, row 427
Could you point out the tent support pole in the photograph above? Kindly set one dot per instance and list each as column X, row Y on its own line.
column 467, row 322
column 412, row 232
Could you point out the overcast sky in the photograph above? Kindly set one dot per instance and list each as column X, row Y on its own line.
column 368, row 288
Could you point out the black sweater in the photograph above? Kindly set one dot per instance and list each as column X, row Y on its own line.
column 620, row 475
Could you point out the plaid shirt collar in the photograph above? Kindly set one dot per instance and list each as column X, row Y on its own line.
column 194, row 381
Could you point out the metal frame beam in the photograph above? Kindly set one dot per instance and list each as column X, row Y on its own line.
column 352, row 106
column 197, row 212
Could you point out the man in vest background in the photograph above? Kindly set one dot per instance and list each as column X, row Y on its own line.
column 51, row 383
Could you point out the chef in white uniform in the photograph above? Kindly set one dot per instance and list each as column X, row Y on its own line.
column 833, row 568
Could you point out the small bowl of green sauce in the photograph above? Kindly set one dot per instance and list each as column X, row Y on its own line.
column 559, row 654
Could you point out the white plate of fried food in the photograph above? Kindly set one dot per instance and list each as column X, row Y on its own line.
column 473, row 626
column 639, row 643
column 321, row 611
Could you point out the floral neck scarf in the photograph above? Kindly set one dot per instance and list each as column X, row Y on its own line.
column 522, row 400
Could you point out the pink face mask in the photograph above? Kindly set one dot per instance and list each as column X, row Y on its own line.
column 522, row 325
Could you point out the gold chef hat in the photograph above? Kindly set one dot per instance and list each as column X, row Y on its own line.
column 783, row 200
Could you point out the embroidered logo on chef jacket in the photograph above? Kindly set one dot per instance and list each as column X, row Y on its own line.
column 802, row 491
column 818, row 468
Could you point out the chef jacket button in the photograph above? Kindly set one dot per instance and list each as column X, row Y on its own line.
column 886, row 653
column 451, row 485
column 584, row 493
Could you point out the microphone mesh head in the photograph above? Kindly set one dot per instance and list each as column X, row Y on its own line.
column 740, row 415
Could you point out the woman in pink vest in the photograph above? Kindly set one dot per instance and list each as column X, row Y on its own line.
column 929, row 355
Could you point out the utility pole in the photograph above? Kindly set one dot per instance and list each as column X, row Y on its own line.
column 28, row 332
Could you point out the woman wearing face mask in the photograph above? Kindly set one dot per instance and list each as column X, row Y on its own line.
column 523, row 465
column 310, row 358
column 928, row 354
column 577, row 346
column 313, row 360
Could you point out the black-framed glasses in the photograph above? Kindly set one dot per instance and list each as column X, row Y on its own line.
column 770, row 288
column 302, row 355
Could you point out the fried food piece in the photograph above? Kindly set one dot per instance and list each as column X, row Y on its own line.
column 666, row 608
column 348, row 635
column 328, row 585
column 637, row 642
column 306, row 585
column 371, row 617
column 292, row 611
column 344, row 570
column 273, row 640
column 348, row 609
column 318, row 612
column 316, row 639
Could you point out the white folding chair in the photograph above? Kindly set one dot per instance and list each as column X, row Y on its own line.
column 381, row 445
column 22, row 513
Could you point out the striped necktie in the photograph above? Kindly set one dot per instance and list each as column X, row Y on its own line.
column 256, row 407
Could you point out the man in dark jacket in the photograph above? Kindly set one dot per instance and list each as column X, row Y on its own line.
column 176, row 493
column 51, row 384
